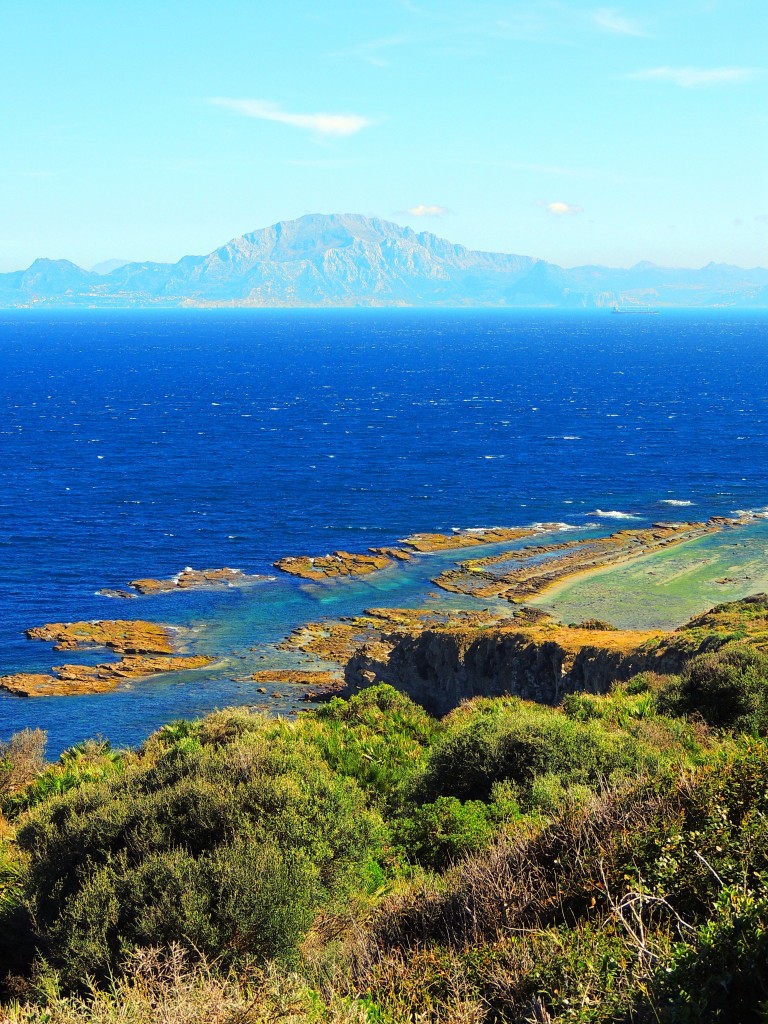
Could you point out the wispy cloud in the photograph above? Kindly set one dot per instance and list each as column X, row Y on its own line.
column 424, row 210
column 372, row 52
column 696, row 78
column 560, row 209
column 610, row 20
column 330, row 125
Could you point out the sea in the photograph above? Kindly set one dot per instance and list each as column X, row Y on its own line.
column 136, row 443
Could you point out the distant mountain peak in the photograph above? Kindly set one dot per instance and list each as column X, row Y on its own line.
column 348, row 259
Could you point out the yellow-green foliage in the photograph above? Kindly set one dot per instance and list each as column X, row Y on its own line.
column 227, row 840
column 587, row 863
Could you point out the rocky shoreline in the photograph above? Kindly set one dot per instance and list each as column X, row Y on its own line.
column 419, row 650
column 533, row 570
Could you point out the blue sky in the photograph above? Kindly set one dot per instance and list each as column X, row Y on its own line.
column 575, row 132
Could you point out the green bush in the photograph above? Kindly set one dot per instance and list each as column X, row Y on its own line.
column 85, row 762
column 511, row 740
column 227, row 847
column 439, row 833
column 379, row 738
column 727, row 688
column 722, row 975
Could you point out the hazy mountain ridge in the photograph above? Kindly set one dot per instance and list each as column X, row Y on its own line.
column 351, row 260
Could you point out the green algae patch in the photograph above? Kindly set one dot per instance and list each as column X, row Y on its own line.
column 668, row 587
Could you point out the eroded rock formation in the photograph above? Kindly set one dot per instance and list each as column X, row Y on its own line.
column 440, row 667
column 527, row 572
column 146, row 649
column 337, row 564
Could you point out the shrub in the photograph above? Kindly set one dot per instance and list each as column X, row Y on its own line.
column 85, row 762
column 378, row 737
column 511, row 740
column 727, row 688
column 227, row 847
column 722, row 975
column 439, row 833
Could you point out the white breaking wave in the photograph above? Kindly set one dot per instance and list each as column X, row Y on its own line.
column 751, row 513
column 675, row 501
column 600, row 514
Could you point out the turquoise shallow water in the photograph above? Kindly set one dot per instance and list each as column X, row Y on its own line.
column 136, row 444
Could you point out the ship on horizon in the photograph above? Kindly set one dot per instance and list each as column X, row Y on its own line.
column 646, row 310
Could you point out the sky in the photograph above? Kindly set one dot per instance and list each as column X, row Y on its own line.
column 574, row 132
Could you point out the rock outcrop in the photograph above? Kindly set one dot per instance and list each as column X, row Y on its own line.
column 297, row 676
column 337, row 565
column 190, row 579
column 529, row 571
column 441, row 667
column 427, row 542
column 146, row 649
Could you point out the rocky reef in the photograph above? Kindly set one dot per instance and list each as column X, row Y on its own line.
column 525, row 573
column 187, row 579
column 427, row 542
column 297, row 676
column 145, row 649
column 347, row 563
column 338, row 640
column 337, row 564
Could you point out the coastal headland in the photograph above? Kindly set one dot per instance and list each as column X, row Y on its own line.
column 441, row 657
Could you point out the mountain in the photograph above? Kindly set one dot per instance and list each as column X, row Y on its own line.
column 350, row 260
column 108, row 266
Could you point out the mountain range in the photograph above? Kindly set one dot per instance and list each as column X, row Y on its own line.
column 351, row 260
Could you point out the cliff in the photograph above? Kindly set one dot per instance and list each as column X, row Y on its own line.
column 542, row 661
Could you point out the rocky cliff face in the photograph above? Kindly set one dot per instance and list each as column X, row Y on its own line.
column 440, row 668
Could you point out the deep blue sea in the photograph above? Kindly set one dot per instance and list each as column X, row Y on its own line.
column 137, row 443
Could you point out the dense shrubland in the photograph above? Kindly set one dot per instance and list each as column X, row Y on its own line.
column 602, row 861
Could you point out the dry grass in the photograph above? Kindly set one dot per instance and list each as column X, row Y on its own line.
column 21, row 759
column 163, row 987
column 552, row 877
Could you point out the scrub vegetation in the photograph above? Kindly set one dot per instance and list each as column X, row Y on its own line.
column 606, row 860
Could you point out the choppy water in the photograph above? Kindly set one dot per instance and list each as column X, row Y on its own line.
column 134, row 444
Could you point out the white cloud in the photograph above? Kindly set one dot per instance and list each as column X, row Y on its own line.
column 695, row 78
column 560, row 209
column 610, row 20
column 372, row 52
column 337, row 125
column 422, row 210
